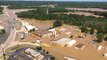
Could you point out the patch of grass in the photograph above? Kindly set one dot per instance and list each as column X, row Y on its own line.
column 14, row 48
column 1, row 57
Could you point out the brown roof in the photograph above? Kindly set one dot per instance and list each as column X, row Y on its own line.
column 80, row 45
column 42, row 32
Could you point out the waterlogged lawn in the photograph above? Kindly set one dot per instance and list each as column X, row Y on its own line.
column 14, row 48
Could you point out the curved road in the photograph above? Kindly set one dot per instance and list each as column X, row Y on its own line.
column 9, row 19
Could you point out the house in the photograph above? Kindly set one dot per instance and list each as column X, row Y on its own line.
column 30, row 27
column 70, row 43
column 44, row 33
column 80, row 46
column 64, row 42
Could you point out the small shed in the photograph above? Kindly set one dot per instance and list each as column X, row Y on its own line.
column 80, row 46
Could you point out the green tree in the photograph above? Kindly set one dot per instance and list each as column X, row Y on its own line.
column 84, row 29
column 92, row 31
column 99, row 38
column 2, row 31
column 57, row 23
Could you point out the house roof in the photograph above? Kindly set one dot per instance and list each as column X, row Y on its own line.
column 80, row 45
column 29, row 27
column 42, row 32
column 32, row 52
column 70, row 43
column 62, row 41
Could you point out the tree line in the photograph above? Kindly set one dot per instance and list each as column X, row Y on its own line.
column 32, row 4
column 1, row 9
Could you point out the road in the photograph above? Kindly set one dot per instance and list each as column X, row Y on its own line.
column 8, row 22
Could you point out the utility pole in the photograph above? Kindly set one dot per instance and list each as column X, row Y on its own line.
column 4, row 55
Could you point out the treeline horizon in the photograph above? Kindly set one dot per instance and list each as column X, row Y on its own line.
column 26, row 4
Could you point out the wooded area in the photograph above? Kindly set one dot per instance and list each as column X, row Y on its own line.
column 1, row 9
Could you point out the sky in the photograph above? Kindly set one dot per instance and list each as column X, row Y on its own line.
column 56, row 0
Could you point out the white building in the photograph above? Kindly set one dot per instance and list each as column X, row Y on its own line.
column 34, row 53
column 65, row 42
column 72, row 42
column 30, row 27
column 1, row 27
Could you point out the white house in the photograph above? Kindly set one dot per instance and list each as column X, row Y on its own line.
column 72, row 42
column 30, row 27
